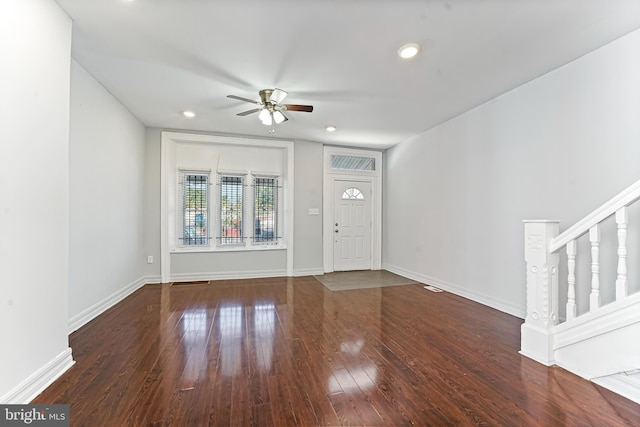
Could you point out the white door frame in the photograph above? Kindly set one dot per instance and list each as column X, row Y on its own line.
column 375, row 178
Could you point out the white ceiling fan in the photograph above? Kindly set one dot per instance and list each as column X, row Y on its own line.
column 271, row 110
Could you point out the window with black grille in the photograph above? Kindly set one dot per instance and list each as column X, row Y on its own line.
column 231, row 209
column 195, row 202
column 265, row 211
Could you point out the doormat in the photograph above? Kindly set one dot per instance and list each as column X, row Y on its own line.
column 350, row 280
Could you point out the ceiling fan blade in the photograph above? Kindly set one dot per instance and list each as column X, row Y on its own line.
column 246, row 113
column 295, row 107
column 239, row 98
column 278, row 95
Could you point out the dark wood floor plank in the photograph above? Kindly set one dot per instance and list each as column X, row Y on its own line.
column 287, row 351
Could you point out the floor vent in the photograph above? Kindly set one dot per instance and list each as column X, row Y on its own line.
column 432, row 288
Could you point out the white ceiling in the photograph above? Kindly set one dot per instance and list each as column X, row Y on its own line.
column 160, row 57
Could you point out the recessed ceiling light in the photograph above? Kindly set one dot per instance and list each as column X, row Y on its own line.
column 409, row 50
column 331, row 128
column 189, row 114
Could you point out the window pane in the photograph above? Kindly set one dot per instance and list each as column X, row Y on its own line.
column 265, row 213
column 231, row 198
column 354, row 163
column 196, row 210
column 352, row 193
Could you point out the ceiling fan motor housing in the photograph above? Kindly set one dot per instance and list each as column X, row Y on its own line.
column 265, row 96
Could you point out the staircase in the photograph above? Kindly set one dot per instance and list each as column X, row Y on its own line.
column 576, row 318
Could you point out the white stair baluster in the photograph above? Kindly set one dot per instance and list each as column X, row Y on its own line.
column 621, row 281
column 594, row 297
column 571, row 280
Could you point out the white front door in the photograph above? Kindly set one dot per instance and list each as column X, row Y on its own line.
column 352, row 225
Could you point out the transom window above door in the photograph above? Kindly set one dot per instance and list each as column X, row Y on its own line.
column 352, row 193
column 353, row 163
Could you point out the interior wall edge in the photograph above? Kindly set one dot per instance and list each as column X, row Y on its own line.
column 87, row 315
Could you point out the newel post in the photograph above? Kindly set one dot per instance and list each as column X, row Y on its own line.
column 542, row 291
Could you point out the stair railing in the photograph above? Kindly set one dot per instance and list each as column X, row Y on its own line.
column 543, row 243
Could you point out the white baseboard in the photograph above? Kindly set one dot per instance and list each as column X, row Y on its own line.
column 308, row 272
column 85, row 316
column 35, row 384
column 227, row 275
column 153, row 280
column 458, row 290
column 622, row 384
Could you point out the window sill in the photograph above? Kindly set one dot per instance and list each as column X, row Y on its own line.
column 213, row 249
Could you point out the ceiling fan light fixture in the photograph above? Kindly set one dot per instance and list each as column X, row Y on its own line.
column 278, row 117
column 409, row 50
column 265, row 117
column 278, row 95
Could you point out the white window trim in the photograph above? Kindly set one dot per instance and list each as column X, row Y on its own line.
column 168, row 170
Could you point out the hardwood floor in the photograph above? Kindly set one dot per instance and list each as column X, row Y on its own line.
column 287, row 351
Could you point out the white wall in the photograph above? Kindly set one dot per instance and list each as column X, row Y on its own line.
column 107, row 169
column 307, row 184
column 35, row 43
column 152, row 202
column 555, row 148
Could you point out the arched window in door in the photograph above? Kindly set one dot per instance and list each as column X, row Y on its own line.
column 352, row 193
